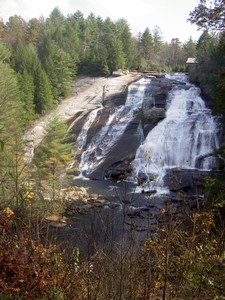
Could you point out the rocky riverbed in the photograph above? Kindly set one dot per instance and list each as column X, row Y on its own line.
column 107, row 213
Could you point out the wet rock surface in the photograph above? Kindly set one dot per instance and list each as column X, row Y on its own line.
column 186, row 180
column 151, row 117
column 157, row 92
column 101, row 213
column 79, row 201
column 124, row 150
column 116, row 200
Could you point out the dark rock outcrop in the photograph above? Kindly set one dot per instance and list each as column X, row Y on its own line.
column 157, row 92
column 186, row 180
column 116, row 163
column 151, row 118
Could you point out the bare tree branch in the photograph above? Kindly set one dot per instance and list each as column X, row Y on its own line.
column 209, row 15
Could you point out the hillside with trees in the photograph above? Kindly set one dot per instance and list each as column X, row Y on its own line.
column 47, row 54
column 184, row 257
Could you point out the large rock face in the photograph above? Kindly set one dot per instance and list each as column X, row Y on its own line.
column 88, row 93
column 117, row 161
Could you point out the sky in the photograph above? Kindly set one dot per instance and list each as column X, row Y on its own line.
column 169, row 15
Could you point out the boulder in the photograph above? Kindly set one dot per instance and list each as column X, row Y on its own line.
column 186, row 180
column 152, row 117
column 157, row 92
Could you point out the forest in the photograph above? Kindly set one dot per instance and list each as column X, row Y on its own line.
column 46, row 55
column 39, row 61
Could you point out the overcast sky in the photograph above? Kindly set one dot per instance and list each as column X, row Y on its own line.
column 170, row 15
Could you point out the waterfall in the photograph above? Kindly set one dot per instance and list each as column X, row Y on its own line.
column 182, row 140
column 82, row 138
column 109, row 134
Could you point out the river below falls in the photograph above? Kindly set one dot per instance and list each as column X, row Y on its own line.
column 133, row 219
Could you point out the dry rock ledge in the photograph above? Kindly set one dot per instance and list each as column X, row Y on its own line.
column 88, row 93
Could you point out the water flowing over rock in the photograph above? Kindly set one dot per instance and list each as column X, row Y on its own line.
column 182, row 140
column 111, row 134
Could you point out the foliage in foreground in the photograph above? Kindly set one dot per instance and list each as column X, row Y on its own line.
column 181, row 260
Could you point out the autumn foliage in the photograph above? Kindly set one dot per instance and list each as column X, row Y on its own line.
column 27, row 269
column 181, row 259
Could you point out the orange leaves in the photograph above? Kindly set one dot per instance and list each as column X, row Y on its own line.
column 8, row 212
column 27, row 269
column 6, row 215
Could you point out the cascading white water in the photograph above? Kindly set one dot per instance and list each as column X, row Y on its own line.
column 110, row 133
column 183, row 139
column 82, row 138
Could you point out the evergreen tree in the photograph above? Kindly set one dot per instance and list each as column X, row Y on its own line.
column 55, row 26
column 42, row 95
column 190, row 48
column 34, row 84
column 177, row 53
column 157, row 41
column 22, row 57
column 116, row 59
column 58, row 66
column 209, row 14
column 5, row 53
column 147, row 44
column 27, row 88
column 113, row 47
column 11, row 130
column 75, row 24
column 15, row 30
column 72, row 42
column 54, row 155
column 128, row 43
column 206, row 62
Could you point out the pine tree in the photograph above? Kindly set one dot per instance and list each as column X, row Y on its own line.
column 157, row 42
column 42, row 96
column 58, row 66
column 209, row 15
column 206, row 66
column 26, row 85
column 11, row 131
column 15, row 30
column 129, row 47
column 54, row 155
column 147, row 44
column 190, row 48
